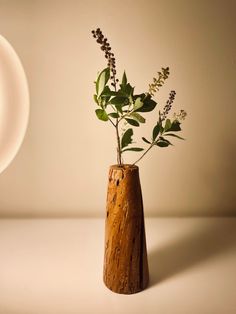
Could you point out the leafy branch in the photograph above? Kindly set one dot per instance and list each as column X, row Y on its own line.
column 158, row 135
column 121, row 107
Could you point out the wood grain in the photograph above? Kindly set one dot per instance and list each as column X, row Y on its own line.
column 125, row 258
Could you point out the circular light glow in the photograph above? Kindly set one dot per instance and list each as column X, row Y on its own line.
column 14, row 103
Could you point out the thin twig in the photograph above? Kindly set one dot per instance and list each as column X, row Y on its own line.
column 153, row 143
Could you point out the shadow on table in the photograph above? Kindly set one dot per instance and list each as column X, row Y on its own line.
column 205, row 241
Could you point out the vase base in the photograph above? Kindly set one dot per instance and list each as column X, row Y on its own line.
column 128, row 290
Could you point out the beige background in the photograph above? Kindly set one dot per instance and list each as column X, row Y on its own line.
column 62, row 166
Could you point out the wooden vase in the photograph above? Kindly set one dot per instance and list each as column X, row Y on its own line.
column 125, row 259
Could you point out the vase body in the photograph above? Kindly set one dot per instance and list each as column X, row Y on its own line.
column 125, row 260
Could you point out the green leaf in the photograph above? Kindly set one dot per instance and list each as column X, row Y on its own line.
column 137, row 117
column 127, row 138
column 155, row 131
column 119, row 108
column 124, row 79
column 102, row 80
column 126, row 90
column 145, row 140
column 101, row 114
column 167, row 125
column 138, row 104
column 132, row 122
column 104, row 97
column 162, row 144
column 118, row 100
column 107, row 92
column 148, row 106
column 148, row 103
column 113, row 115
column 165, row 140
column 95, row 98
column 174, row 135
column 175, row 126
column 133, row 149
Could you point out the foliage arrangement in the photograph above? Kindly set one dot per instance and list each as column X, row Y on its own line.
column 118, row 104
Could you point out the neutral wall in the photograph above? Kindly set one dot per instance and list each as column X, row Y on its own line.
column 62, row 166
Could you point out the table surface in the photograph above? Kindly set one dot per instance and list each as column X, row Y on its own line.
column 54, row 266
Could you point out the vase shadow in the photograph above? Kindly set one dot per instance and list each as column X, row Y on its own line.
column 203, row 242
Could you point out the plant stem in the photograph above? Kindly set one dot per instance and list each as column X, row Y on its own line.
column 119, row 161
column 153, row 143
column 112, row 122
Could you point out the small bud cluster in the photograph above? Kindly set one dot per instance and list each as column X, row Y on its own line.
column 181, row 115
column 158, row 82
column 105, row 46
column 168, row 105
